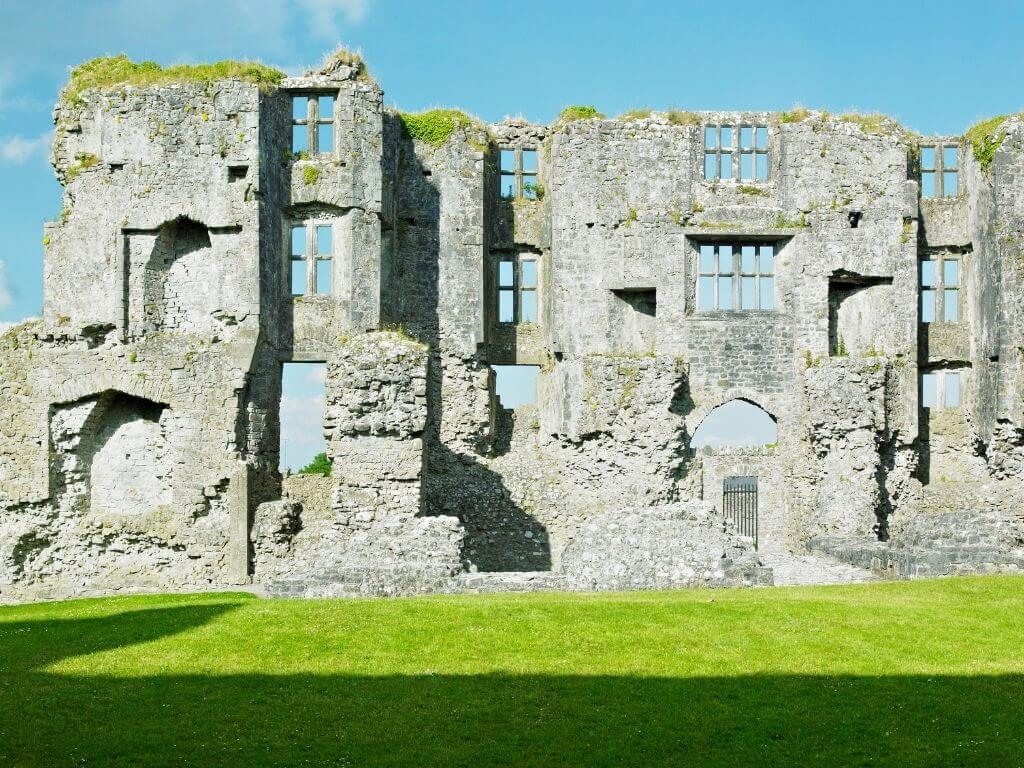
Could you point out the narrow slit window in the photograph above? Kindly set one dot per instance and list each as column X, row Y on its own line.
column 299, row 267
column 506, row 291
column 929, row 389
column 324, row 276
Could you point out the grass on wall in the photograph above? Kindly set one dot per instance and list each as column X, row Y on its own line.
column 891, row 674
column 436, row 126
column 113, row 71
column 985, row 138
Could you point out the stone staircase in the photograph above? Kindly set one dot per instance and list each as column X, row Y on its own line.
column 809, row 569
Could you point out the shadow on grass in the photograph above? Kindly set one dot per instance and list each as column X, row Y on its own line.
column 50, row 719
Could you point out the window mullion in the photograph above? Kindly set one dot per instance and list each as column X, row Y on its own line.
column 310, row 259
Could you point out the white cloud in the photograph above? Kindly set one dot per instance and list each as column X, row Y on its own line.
column 19, row 149
column 302, row 431
column 323, row 15
column 5, row 294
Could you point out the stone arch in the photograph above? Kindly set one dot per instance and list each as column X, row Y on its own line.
column 178, row 277
column 744, row 415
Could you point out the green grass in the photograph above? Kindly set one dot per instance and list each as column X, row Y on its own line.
column 579, row 112
column 985, row 138
column 115, row 71
column 903, row 674
column 436, row 126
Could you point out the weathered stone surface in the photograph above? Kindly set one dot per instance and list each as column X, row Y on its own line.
column 139, row 418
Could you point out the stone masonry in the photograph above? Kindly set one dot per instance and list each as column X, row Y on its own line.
column 861, row 284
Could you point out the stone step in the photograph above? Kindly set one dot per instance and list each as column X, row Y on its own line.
column 509, row 581
column 812, row 569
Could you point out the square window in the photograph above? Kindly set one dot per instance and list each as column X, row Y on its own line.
column 710, row 165
column 928, row 305
column 950, row 305
column 300, row 107
column 298, row 278
column 325, row 138
column 707, row 259
column 506, row 274
column 299, row 139
column 927, row 158
column 529, row 274
column 746, row 167
column 949, row 184
column 761, row 169
column 928, row 390
column 746, row 137
column 748, row 260
column 951, row 386
column 928, row 273
column 324, row 273
column 725, row 292
column 949, row 158
column 508, row 160
column 748, row 297
column 710, row 137
column 950, row 272
column 528, row 307
column 767, row 293
column 508, row 187
column 529, row 161
column 706, row 292
column 928, row 184
column 324, row 240
column 761, row 137
column 726, row 167
column 325, row 107
column 298, row 241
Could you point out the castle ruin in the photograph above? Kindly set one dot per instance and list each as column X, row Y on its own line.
column 861, row 284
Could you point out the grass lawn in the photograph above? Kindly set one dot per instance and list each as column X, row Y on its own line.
column 928, row 673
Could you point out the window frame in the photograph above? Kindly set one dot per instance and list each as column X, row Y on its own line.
column 942, row 390
column 520, row 176
column 940, row 288
column 736, row 274
column 313, row 121
column 736, row 151
column 518, row 287
column 311, row 255
column 938, row 169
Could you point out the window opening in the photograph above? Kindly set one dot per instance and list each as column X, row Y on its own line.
column 941, row 389
column 940, row 170
column 518, row 174
column 516, row 385
column 303, row 401
column 517, row 288
column 736, row 276
column 312, row 259
column 724, row 143
column 940, row 289
column 312, row 124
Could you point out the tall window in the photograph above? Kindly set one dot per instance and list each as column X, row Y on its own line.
column 312, row 124
column 941, row 389
column 940, row 166
column 731, row 152
column 312, row 259
column 940, row 289
column 517, row 288
column 519, row 174
column 736, row 276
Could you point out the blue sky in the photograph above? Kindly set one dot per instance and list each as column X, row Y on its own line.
column 937, row 66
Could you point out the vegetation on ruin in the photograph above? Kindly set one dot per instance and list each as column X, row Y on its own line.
column 680, row 117
column 635, row 114
column 83, row 161
column 797, row 115
column 320, row 465
column 874, row 123
column 985, row 138
column 310, row 174
column 436, row 126
column 750, row 189
column 579, row 112
column 904, row 674
column 782, row 221
column 344, row 57
column 115, row 71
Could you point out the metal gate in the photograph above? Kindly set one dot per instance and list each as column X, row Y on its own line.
column 739, row 501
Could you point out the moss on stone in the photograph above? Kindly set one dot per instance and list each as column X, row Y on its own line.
column 985, row 138
column 750, row 189
column 434, row 127
column 635, row 114
column 797, row 115
column 83, row 161
column 113, row 71
column 782, row 221
column 310, row 174
column 579, row 112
